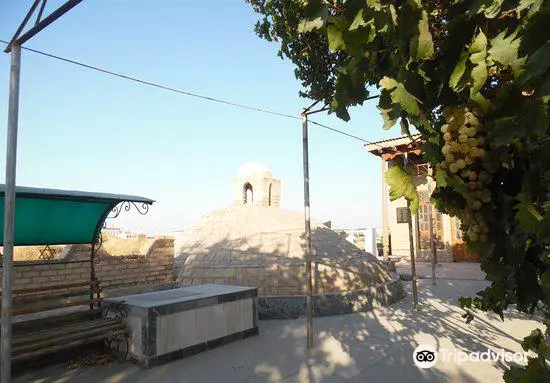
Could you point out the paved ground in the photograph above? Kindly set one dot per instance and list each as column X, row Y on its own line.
column 370, row 347
column 462, row 271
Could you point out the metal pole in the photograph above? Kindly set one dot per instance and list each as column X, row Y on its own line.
column 92, row 272
column 433, row 244
column 413, row 264
column 9, row 215
column 411, row 246
column 308, row 255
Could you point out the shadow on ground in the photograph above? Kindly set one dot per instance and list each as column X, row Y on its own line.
column 376, row 346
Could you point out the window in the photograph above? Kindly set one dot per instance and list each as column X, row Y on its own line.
column 402, row 214
column 457, row 232
column 424, row 227
column 248, row 194
column 269, row 200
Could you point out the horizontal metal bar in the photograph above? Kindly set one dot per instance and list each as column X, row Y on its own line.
column 39, row 17
column 44, row 23
column 25, row 21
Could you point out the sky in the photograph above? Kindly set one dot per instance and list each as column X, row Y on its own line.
column 83, row 130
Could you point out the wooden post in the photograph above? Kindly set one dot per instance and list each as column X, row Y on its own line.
column 9, row 212
column 433, row 240
column 385, row 228
column 411, row 246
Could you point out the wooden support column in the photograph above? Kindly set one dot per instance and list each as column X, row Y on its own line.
column 385, row 228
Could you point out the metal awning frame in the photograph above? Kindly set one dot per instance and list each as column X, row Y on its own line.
column 116, row 203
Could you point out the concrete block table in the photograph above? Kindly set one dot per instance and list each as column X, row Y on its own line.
column 170, row 324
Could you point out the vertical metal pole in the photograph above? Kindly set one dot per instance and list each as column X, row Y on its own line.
column 9, row 212
column 413, row 263
column 92, row 272
column 308, row 255
column 433, row 244
column 411, row 246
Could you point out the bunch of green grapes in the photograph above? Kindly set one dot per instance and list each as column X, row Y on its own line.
column 465, row 152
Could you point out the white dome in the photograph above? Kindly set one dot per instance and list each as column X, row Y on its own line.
column 251, row 169
column 264, row 247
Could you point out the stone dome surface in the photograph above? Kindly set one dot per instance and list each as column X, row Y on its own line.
column 253, row 169
column 264, row 247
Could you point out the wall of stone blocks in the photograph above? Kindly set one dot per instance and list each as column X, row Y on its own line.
column 273, row 280
column 154, row 265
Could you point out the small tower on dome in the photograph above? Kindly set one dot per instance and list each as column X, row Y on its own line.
column 254, row 185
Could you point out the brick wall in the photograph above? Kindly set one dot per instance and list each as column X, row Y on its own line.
column 154, row 265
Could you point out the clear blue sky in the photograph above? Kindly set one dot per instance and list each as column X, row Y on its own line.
column 83, row 130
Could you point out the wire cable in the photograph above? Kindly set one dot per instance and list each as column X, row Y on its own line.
column 149, row 83
column 192, row 94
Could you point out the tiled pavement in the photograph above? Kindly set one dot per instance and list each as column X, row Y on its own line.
column 371, row 347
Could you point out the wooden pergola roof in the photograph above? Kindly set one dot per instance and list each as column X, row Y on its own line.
column 393, row 147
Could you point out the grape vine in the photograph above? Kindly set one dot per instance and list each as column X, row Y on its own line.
column 464, row 151
column 473, row 78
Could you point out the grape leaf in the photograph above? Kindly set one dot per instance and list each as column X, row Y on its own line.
column 544, row 89
column 505, row 130
column 544, row 229
column 389, row 122
column 527, row 216
column 481, row 101
column 422, row 45
column 400, row 95
column 458, row 73
column 431, row 152
column 478, row 55
column 389, row 111
column 375, row 4
column 335, row 34
column 402, row 185
column 545, row 284
column 317, row 21
column 358, row 22
column 504, row 50
column 490, row 8
column 393, row 14
column 340, row 109
column 458, row 185
column 537, row 64
column 534, row 372
column 532, row 5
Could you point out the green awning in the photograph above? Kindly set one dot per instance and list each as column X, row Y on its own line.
column 55, row 217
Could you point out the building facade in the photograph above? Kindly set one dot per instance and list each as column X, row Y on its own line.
column 444, row 234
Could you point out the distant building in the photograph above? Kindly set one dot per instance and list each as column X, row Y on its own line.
column 363, row 238
column 119, row 233
column 355, row 236
column 395, row 228
column 114, row 231
column 130, row 235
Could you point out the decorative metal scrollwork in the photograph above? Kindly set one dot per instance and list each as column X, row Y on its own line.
column 119, row 347
column 114, row 310
column 142, row 208
column 96, row 247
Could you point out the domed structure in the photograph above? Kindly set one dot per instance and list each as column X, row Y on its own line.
column 254, row 185
column 255, row 243
column 253, row 169
column 264, row 247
